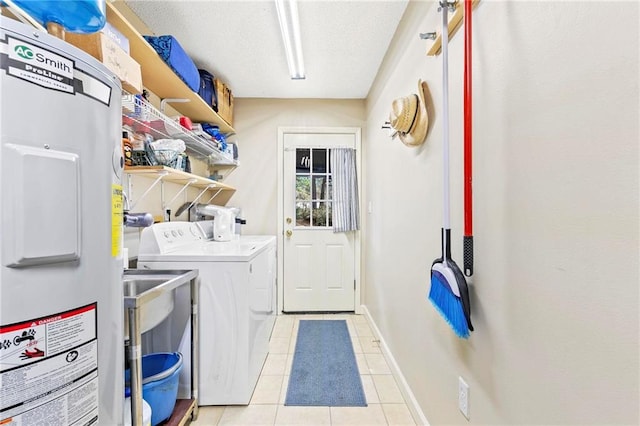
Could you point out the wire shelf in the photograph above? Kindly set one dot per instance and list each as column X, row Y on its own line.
column 143, row 117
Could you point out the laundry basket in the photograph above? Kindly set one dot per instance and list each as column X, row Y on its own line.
column 160, row 376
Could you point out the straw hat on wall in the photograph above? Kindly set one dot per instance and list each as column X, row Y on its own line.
column 409, row 117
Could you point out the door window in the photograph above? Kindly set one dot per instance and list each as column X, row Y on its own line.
column 313, row 199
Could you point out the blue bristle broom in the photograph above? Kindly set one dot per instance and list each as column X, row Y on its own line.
column 449, row 292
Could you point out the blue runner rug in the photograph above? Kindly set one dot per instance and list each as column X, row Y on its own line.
column 324, row 371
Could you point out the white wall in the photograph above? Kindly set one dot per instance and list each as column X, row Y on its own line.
column 555, row 291
column 256, row 122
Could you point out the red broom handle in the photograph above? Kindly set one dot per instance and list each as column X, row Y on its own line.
column 468, row 198
column 467, row 240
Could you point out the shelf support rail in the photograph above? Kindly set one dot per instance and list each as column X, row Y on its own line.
column 155, row 182
column 195, row 200
column 184, row 188
column 214, row 195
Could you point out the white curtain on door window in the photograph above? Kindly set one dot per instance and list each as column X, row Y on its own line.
column 345, row 211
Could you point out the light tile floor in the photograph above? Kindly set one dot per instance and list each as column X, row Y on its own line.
column 385, row 403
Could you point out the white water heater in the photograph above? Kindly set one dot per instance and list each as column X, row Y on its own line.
column 61, row 298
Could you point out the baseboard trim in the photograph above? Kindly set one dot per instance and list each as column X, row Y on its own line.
column 412, row 403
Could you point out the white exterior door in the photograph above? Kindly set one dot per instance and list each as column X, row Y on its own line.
column 319, row 266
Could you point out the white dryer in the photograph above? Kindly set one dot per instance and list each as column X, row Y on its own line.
column 237, row 304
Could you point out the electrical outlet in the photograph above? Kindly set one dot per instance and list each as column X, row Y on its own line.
column 463, row 397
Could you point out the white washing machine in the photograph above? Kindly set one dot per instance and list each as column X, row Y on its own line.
column 237, row 304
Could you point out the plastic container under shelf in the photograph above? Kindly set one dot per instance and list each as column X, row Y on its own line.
column 146, row 412
column 160, row 376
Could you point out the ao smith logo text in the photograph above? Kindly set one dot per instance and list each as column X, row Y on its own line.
column 26, row 53
column 38, row 65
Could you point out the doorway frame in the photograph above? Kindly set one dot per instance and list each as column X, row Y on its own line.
column 357, row 132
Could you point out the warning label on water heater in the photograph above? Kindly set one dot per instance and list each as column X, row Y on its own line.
column 49, row 369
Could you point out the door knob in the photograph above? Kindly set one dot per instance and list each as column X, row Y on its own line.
column 288, row 233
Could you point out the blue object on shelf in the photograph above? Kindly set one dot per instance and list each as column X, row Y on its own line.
column 160, row 377
column 215, row 132
column 176, row 58
column 208, row 89
column 76, row 16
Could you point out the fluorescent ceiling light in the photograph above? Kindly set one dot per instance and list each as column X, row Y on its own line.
column 290, row 27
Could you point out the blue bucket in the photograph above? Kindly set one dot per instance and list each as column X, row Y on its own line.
column 160, row 376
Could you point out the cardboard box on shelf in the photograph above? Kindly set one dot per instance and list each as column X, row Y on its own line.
column 225, row 101
column 116, row 36
column 228, row 100
column 107, row 51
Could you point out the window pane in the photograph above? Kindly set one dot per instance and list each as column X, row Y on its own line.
column 319, row 160
column 320, row 188
column 319, row 214
column 329, row 215
column 303, row 191
column 303, row 214
column 329, row 161
column 303, row 160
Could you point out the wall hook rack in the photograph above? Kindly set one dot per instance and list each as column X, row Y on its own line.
column 455, row 22
column 451, row 5
column 390, row 130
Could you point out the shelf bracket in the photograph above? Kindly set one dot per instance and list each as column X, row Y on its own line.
column 213, row 185
column 214, row 196
column 155, row 182
column 184, row 188
column 195, row 200
column 166, row 101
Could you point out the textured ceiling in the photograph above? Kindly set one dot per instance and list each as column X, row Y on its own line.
column 343, row 41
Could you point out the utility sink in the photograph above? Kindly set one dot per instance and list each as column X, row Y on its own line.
column 151, row 292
